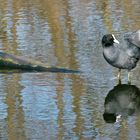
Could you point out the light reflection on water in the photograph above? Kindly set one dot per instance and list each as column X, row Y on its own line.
column 63, row 34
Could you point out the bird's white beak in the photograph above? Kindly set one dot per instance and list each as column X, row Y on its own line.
column 115, row 40
column 118, row 118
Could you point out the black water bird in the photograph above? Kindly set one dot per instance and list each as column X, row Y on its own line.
column 122, row 101
column 122, row 56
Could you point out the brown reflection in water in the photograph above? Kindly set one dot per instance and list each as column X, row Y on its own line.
column 77, row 90
column 61, row 29
column 129, row 10
column 77, row 87
column 15, row 114
column 13, row 10
column 60, row 104
column 71, row 38
column 15, row 118
column 131, row 16
column 124, row 130
column 54, row 11
column 61, row 45
column 104, row 7
column 14, row 19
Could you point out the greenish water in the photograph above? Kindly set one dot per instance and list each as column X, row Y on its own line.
column 67, row 106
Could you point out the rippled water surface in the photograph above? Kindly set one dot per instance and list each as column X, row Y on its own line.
column 67, row 106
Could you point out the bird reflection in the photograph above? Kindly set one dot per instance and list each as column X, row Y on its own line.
column 123, row 100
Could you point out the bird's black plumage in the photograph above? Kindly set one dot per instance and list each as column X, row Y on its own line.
column 122, row 101
column 119, row 55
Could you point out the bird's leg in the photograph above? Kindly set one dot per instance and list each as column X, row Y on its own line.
column 129, row 77
column 119, row 76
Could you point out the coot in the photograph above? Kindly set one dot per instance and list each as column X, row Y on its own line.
column 122, row 57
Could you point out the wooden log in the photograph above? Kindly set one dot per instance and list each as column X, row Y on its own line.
column 12, row 62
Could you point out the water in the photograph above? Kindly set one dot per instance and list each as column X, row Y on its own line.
column 66, row 106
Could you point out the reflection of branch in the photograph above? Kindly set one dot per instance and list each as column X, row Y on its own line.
column 9, row 61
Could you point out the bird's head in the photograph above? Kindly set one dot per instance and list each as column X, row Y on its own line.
column 109, row 40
